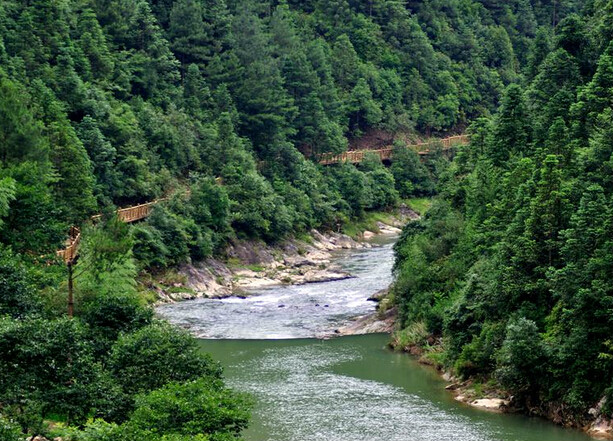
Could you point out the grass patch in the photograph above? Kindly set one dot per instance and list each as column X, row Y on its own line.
column 419, row 205
column 386, row 303
column 435, row 356
column 233, row 262
column 415, row 334
column 477, row 388
column 236, row 264
column 149, row 296
column 179, row 289
column 168, row 280
column 368, row 221
column 56, row 418
column 304, row 237
column 172, row 277
column 255, row 268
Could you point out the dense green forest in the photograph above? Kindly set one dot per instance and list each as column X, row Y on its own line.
column 109, row 103
column 512, row 266
column 118, row 102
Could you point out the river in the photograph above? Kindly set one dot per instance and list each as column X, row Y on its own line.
column 340, row 389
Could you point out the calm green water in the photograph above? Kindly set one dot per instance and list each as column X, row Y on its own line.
column 354, row 389
column 343, row 389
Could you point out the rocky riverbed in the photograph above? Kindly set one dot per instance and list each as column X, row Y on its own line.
column 253, row 265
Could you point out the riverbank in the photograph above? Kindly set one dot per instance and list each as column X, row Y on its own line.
column 252, row 265
column 381, row 321
column 488, row 395
column 352, row 388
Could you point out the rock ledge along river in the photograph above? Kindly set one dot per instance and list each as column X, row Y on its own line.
column 342, row 389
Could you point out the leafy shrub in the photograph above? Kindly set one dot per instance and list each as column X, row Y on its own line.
column 204, row 406
column 149, row 248
column 413, row 335
column 111, row 314
column 479, row 356
column 353, row 187
column 156, row 355
column 521, row 357
column 9, row 431
column 18, row 297
column 172, row 232
column 412, row 178
column 50, row 364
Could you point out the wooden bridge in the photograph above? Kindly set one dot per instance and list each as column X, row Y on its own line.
column 129, row 214
column 422, row 149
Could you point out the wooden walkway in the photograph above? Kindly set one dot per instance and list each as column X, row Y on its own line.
column 129, row 214
column 138, row 212
column 422, row 149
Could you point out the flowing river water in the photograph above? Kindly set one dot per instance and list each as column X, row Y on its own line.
column 340, row 389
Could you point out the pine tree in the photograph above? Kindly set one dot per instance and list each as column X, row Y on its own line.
column 345, row 64
column 548, row 215
column 7, row 194
column 580, row 326
column 595, row 97
column 512, row 132
column 94, row 45
column 75, row 181
column 540, row 47
column 103, row 157
column 21, row 136
column 362, row 110
column 266, row 108
column 105, row 265
column 187, row 34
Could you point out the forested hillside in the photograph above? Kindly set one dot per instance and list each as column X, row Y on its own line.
column 120, row 101
column 512, row 266
column 224, row 107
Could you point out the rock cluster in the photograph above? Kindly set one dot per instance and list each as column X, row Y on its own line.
column 601, row 427
column 252, row 265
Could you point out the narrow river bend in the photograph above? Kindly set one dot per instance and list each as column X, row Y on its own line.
column 342, row 389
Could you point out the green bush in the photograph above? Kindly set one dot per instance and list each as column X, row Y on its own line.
column 172, row 231
column 479, row 356
column 109, row 315
column 18, row 296
column 412, row 178
column 149, row 248
column 156, row 355
column 381, row 183
column 51, row 364
column 353, row 187
column 99, row 430
column 521, row 358
column 210, row 209
column 413, row 335
column 204, row 406
column 9, row 431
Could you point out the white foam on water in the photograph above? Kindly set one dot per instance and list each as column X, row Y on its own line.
column 303, row 401
column 306, row 311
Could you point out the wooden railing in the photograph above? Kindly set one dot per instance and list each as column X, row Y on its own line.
column 69, row 253
column 129, row 214
column 423, row 149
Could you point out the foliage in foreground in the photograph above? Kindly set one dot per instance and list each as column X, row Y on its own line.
column 138, row 377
